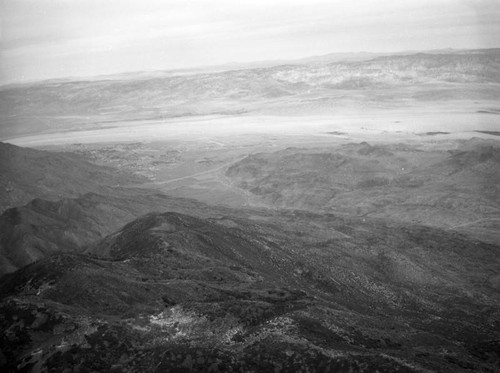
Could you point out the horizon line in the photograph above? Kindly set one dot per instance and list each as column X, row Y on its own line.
column 231, row 66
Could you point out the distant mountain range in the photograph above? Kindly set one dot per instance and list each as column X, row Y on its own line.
column 62, row 105
column 318, row 59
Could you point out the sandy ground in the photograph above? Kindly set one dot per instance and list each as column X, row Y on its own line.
column 374, row 124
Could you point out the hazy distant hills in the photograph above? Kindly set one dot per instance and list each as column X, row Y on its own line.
column 399, row 70
column 62, row 105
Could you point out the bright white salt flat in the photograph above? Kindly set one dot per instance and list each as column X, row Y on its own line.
column 373, row 123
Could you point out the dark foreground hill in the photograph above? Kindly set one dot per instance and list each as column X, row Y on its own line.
column 53, row 201
column 41, row 227
column 286, row 292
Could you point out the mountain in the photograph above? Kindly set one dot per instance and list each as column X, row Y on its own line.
column 288, row 291
column 41, row 227
column 27, row 173
column 306, row 87
column 391, row 71
column 351, row 252
column 441, row 187
column 58, row 202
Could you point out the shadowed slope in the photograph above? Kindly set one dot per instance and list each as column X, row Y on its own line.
column 40, row 228
column 292, row 290
column 28, row 173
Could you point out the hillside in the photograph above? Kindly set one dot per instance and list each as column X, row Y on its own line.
column 443, row 187
column 340, row 213
column 41, row 227
column 27, row 173
column 175, row 292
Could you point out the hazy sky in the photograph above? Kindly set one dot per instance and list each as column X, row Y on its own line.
column 43, row 39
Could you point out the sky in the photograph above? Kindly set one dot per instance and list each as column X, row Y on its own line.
column 45, row 39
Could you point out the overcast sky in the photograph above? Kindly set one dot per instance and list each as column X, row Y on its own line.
column 43, row 39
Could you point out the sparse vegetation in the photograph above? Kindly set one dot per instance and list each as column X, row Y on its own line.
column 357, row 242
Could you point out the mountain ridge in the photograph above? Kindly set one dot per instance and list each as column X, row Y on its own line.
column 378, row 180
column 246, row 291
column 318, row 59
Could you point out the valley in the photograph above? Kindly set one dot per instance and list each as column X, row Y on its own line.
column 332, row 216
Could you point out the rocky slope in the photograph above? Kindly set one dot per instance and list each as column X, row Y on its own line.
column 29, row 233
column 445, row 187
column 193, row 287
column 285, row 292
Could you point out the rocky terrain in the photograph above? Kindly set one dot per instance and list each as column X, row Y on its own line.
column 41, row 227
column 203, row 287
column 446, row 187
column 174, row 292
column 365, row 242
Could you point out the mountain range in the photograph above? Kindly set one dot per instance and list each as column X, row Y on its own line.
column 444, row 188
column 359, row 234
column 307, row 87
column 192, row 286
